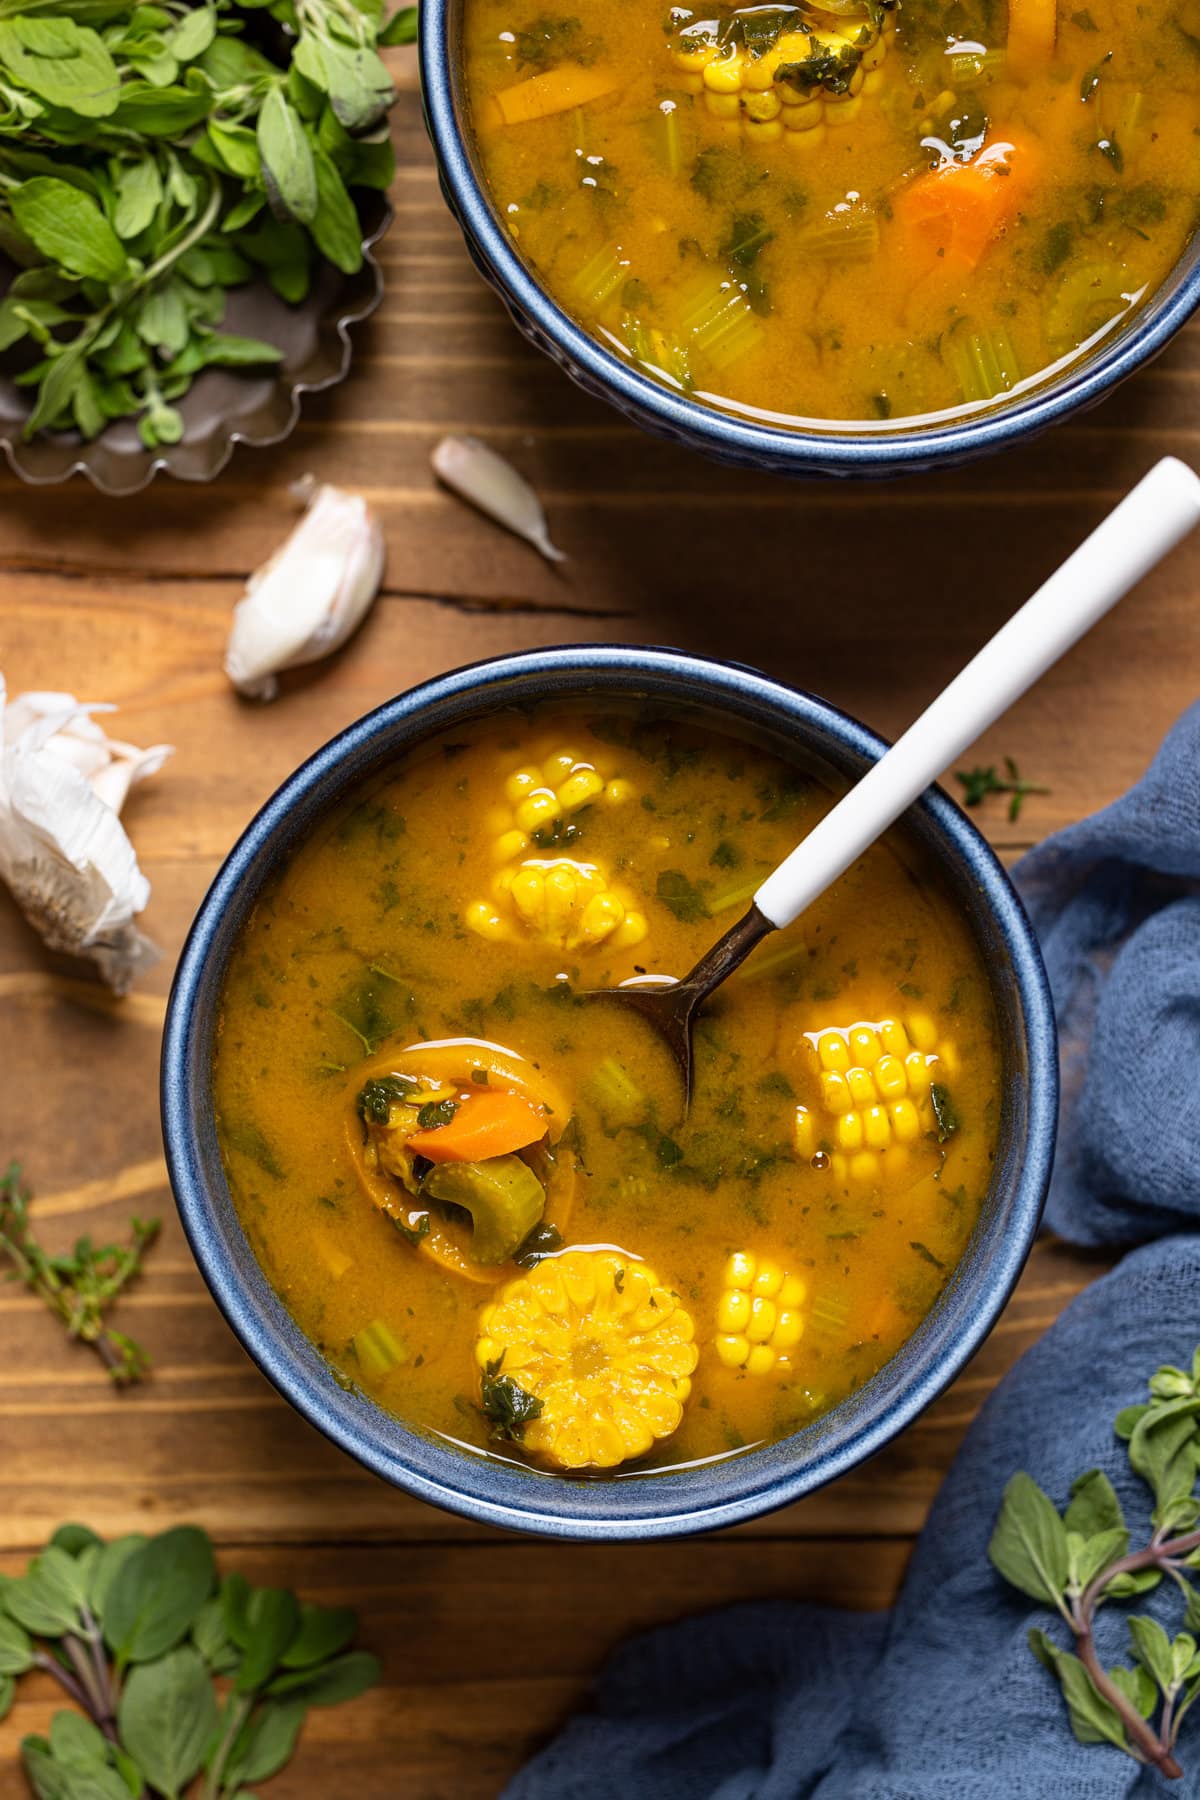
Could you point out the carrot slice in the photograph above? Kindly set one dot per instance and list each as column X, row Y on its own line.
column 491, row 1123
column 558, row 90
column 949, row 216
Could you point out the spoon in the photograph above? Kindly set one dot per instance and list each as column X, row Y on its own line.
column 1155, row 516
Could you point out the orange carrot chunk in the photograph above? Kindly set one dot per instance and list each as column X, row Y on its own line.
column 558, row 90
column 948, row 217
column 491, row 1123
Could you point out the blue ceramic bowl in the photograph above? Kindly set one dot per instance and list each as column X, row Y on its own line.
column 632, row 1506
column 864, row 448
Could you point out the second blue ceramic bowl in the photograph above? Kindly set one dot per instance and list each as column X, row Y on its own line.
column 698, row 1498
column 860, row 449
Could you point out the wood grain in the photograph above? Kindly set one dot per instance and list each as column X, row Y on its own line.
column 869, row 594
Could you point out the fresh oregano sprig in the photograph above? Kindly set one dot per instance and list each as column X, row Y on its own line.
column 153, row 157
column 1076, row 1561
column 982, row 781
column 175, row 1676
column 80, row 1284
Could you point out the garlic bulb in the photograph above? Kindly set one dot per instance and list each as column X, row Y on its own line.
column 472, row 469
column 308, row 597
column 63, row 851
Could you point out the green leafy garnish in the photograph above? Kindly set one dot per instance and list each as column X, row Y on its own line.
column 506, row 1405
column 378, row 1095
column 412, row 1234
column 681, row 896
column 137, row 1633
column 79, row 1285
column 1075, row 1561
column 543, row 1240
column 944, row 1113
column 436, row 1113
column 980, row 783
column 153, row 159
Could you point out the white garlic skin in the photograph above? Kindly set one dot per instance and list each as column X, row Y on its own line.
column 310, row 596
column 472, row 468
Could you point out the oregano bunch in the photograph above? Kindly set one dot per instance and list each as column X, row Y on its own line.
column 1079, row 1560
column 174, row 1677
column 154, row 156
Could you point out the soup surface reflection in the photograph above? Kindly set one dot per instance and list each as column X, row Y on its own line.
column 842, row 211
column 473, row 1188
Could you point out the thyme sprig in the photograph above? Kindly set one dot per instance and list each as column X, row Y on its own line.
column 79, row 1285
column 1076, row 1561
column 980, row 782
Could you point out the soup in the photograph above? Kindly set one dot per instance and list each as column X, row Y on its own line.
column 473, row 1187
column 844, row 210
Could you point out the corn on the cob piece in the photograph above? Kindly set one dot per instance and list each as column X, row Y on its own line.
column 569, row 903
column 601, row 1353
column 759, row 1314
column 810, row 76
column 876, row 1084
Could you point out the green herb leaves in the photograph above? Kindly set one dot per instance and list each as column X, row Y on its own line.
column 152, row 1720
column 979, row 783
column 1077, row 1561
column 80, row 1285
column 151, row 159
column 681, row 896
column 506, row 1405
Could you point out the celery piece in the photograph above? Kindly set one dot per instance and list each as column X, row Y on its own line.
column 377, row 1348
column 1088, row 298
column 615, row 1095
column 718, row 318
column 658, row 354
column 598, row 280
column 983, row 363
column 503, row 1196
column 969, row 68
column 735, row 896
column 668, row 137
column 850, row 235
column 828, row 1316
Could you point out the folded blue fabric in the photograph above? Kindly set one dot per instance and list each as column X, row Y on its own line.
column 1116, row 904
column 941, row 1699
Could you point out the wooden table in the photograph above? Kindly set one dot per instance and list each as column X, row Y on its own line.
column 871, row 595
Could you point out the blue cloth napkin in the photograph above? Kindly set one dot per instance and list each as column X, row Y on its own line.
column 941, row 1699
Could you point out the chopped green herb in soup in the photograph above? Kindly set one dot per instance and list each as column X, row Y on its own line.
column 842, row 210
column 475, row 1190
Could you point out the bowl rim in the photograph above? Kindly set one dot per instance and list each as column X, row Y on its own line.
column 782, row 449
column 471, row 1486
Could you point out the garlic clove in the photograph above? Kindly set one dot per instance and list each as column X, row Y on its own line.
column 63, row 851
column 310, row 595
column 472, row 469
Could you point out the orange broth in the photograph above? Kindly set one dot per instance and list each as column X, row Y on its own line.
column 393, row 927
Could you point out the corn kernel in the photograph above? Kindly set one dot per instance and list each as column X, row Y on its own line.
column 724, row 75
column 537, row 809
column 905, row 1122
column 877, row 1128
column 602, row 914
column 769, row 1280
column 804, row 1133
column 917, row 1069
column 765, row 131
column 862, row 1086
column 762, row 1319
column 484, row 919
column 732, row 1350
column 806, row 138
column 520, row 783
column 618, row 792
column 864, row 1167
column 833, row 1051
column 761, row 107
column 761, row 1360
column 864, row 1045
column 733, row 1310
column 922, row 1031
column 873, row 80
column 789, row 1329
column 874, row 54
column 740, row 1270
column 692, row 59
column 502, row 882
column 631, row 930
column 890, row 1079
column 894, row 1038
column 848, row 1132
column 835, row 1092
column 758, row 73
column 509, row 846
column 526, row 891
column 579, row 789
column 689, row 84
column 794, row 1292
column 723, row 106
column 556, row 768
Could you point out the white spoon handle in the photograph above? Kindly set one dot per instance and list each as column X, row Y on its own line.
column 1150, row 521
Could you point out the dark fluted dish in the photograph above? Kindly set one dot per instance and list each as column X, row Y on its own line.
column 862, row 448
column 224, row 407
column 675, row 1501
